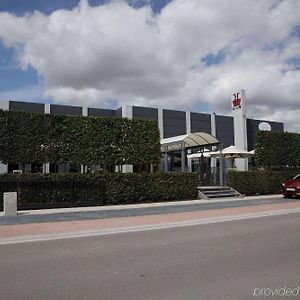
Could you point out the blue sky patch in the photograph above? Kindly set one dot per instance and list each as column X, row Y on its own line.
column 296, row 32
column 294, row 62
column 21, row 7
column 214, row 59
column 14, row 78
column 156, row 5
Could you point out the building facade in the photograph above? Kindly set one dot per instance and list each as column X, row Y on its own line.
column 170, row 122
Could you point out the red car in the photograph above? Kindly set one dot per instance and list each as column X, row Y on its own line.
column 291, row 187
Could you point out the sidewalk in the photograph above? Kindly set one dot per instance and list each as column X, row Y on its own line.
column 142, row 205
column 130, row 210
column 84, row 228
column 139, row 217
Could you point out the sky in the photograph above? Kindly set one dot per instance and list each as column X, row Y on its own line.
column 178, row 54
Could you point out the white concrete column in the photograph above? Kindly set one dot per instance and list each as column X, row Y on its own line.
column 238, row 106
column 127, row 169
column 161, row 122
column 213, row 162
column 127, row 112
column 46, row 166
column 188, row 122
column 85, row 111
column 83, row 168
column 3, row 168
column 213, row 124
column 221, row 179
column 4, row 105
column 47, row 108
column 189, row 163
column 151, row 168
column 188, row 130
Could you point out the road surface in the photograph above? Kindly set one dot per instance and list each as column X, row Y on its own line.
column 230, row 260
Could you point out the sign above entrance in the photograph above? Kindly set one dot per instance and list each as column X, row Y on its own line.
column 236, row 101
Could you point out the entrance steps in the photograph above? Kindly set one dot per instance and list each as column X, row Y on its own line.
column 208, row 192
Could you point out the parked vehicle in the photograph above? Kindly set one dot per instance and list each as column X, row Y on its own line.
column 291, row 187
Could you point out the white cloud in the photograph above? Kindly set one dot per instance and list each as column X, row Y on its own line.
column 92, row 54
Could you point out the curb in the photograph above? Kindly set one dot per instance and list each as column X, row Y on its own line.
column 142, row 205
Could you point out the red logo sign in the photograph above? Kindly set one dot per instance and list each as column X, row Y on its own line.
column 236, row 101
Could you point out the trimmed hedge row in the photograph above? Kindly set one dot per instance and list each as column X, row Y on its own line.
column 63, row 190
column 259, row 182
column 277, row 148
column 32, row 137
column 134, row 187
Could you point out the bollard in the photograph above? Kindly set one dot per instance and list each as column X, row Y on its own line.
column 10, row 203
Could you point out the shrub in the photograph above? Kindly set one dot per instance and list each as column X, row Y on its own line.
column 277, row 148
column 259, row 182
column 63, row 190
column 54, row 190
column 135, row 187
column 32, row 137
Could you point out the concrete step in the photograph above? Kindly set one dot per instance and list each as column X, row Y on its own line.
column 208, row 192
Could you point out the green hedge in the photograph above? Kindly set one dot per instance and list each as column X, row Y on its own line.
column 139, row 187
column 259, row 182
column 54, row 190
column 277, row 149
column 32, row 137
column 63, row 190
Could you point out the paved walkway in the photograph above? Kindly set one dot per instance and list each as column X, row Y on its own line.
column 87, row 220
column 114, row 211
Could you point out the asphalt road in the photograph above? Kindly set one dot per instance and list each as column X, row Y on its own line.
column 213, row 261
column 143, row 211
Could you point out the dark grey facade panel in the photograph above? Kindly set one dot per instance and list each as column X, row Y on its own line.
column 174, row 123
column 119, row 112
column 252, row 128
column 171, row 131
column 146, row 113
column 27, row 106
column 200, row 122
column 65, row 109
column 100, row 112
column 225, row 130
